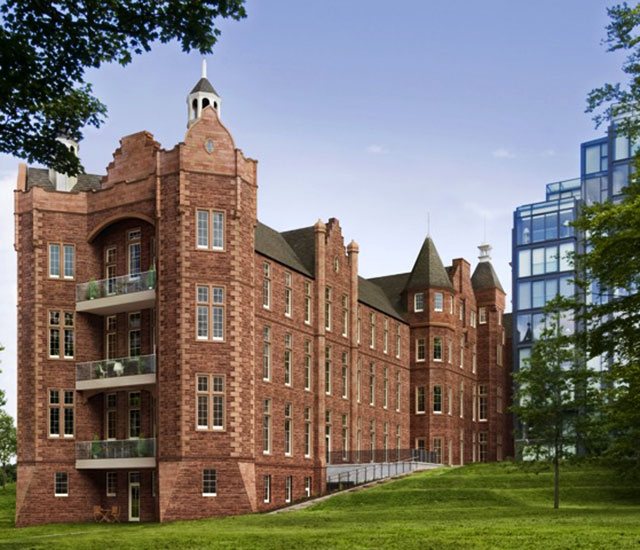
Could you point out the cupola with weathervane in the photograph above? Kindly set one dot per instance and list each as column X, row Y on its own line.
column 202, row 95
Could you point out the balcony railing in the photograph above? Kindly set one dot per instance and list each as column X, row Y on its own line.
column 117, row 294
column 124, row 371
column 116, row 286
column 127, row 453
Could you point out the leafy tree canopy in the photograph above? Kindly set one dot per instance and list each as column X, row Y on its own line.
column 46, row 46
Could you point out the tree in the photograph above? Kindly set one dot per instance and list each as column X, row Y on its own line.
column 3, row 401
column 611, row 318
column 554, row 395
column 8, row 443
column 45, row 48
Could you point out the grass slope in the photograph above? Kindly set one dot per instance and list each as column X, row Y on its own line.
column 482, row 506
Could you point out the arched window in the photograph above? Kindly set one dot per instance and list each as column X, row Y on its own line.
column 205, row 103
column 194, row 107
column 215, row 105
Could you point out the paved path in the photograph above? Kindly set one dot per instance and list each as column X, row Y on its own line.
column 306, row 503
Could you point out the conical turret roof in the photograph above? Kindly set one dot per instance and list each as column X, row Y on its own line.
column 428, row 269
column 484, row 276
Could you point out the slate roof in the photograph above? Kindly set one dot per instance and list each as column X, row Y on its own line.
column 392, row 286
column 428, row 269
column 371, row 294
column 303, row 243
column 39, row 177
column 203, row 85
column 273, row 245
column 484, row 277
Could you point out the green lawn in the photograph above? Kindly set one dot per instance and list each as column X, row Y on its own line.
column 488, row 506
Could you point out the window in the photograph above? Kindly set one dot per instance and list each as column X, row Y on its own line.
column 288, row 488
column 307, row 364
column 266, row 427
column 307, row 302
column 307, row 432
column 461, row 399
column 210, row 306
column 287, row 359
column 385, row 441
column 438, row 301
column 210, row 229
column 327, row 308
column 462, row 352
column 267, row 488
column 359, row 327
column 307, row 486
column 450, row 401
column 61, row 484
column 288, row 430
column 482, row 315
column 209, row 483
column 61, row 264
column 420, row 349
column 110, row 337
column 134, row 415
column 110, row 256
column 418, row 302
column 483, row 441
column 398, row 343
column 473, row 402
column 61, row 413
column 372, row 439
column 111, row 415
column 345, row 315
column 266, row 285
column 385, row 336
column 345, row 436
column 472, row 320
column 345, row 375
column 358, row 438
column 420, row 400
column 372, row 384
column 266, row 354
column 499, row 399
column 499, row 355
column 437, row 349
column 359, row 379
column 397, row 441
column 327, row 370
column 133, row 238
column 210, row 401
column 134, row 334
column 483, row 403
column 461, row 311
column 61, row 324
column 437, row 399
column 451, row 305
column 437, row 450
column 398, row 390
column 287, row 294
column 111, row 483
column 372, row 334
column 473, row 358
column 385, row 387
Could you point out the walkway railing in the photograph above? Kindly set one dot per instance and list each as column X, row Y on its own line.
column 380, row 455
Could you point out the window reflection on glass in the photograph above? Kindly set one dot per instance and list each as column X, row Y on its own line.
column 550, row 289
column 537, row 325
column 592, row 159
column 566, row 217
column 620, row 178
column 538, row 261
column 524, row 295
column 538, row 294
column 524, row 263
column 566, row 287
column 551, row 259
column 523, row 229
column 524, row 328
column 538, row 228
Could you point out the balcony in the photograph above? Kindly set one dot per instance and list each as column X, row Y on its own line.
column 117, row 294
column 116, row 373
column 127, row 453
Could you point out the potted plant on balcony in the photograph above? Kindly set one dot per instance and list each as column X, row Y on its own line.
column 151, row 277
column 141, row 447
column 92, row 290
column 98, row 371
column 95, row 446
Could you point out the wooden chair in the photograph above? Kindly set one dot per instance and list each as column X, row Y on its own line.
column 114, row 514
column 99, row 515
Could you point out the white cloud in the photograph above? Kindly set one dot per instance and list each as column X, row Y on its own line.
column 548, row 153
column 376, row 149
column 503, row 153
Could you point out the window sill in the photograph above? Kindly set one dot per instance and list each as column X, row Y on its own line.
column 209, row 494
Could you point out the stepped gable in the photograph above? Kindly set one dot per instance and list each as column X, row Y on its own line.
column 272, row 244
column 428, row 269
column 485, row 277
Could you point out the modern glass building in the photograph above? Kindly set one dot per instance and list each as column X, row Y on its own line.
column 542, row 237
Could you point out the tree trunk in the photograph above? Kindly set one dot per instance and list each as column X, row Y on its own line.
column 4, row 477
column 556, row 480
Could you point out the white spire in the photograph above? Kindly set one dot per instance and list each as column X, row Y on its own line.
column 204, row 68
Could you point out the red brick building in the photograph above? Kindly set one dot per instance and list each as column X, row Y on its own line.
column 178, row 359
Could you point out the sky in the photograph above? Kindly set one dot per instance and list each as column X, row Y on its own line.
column 398, row 118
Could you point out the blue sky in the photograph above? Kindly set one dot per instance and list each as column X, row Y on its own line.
column 381, row 114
